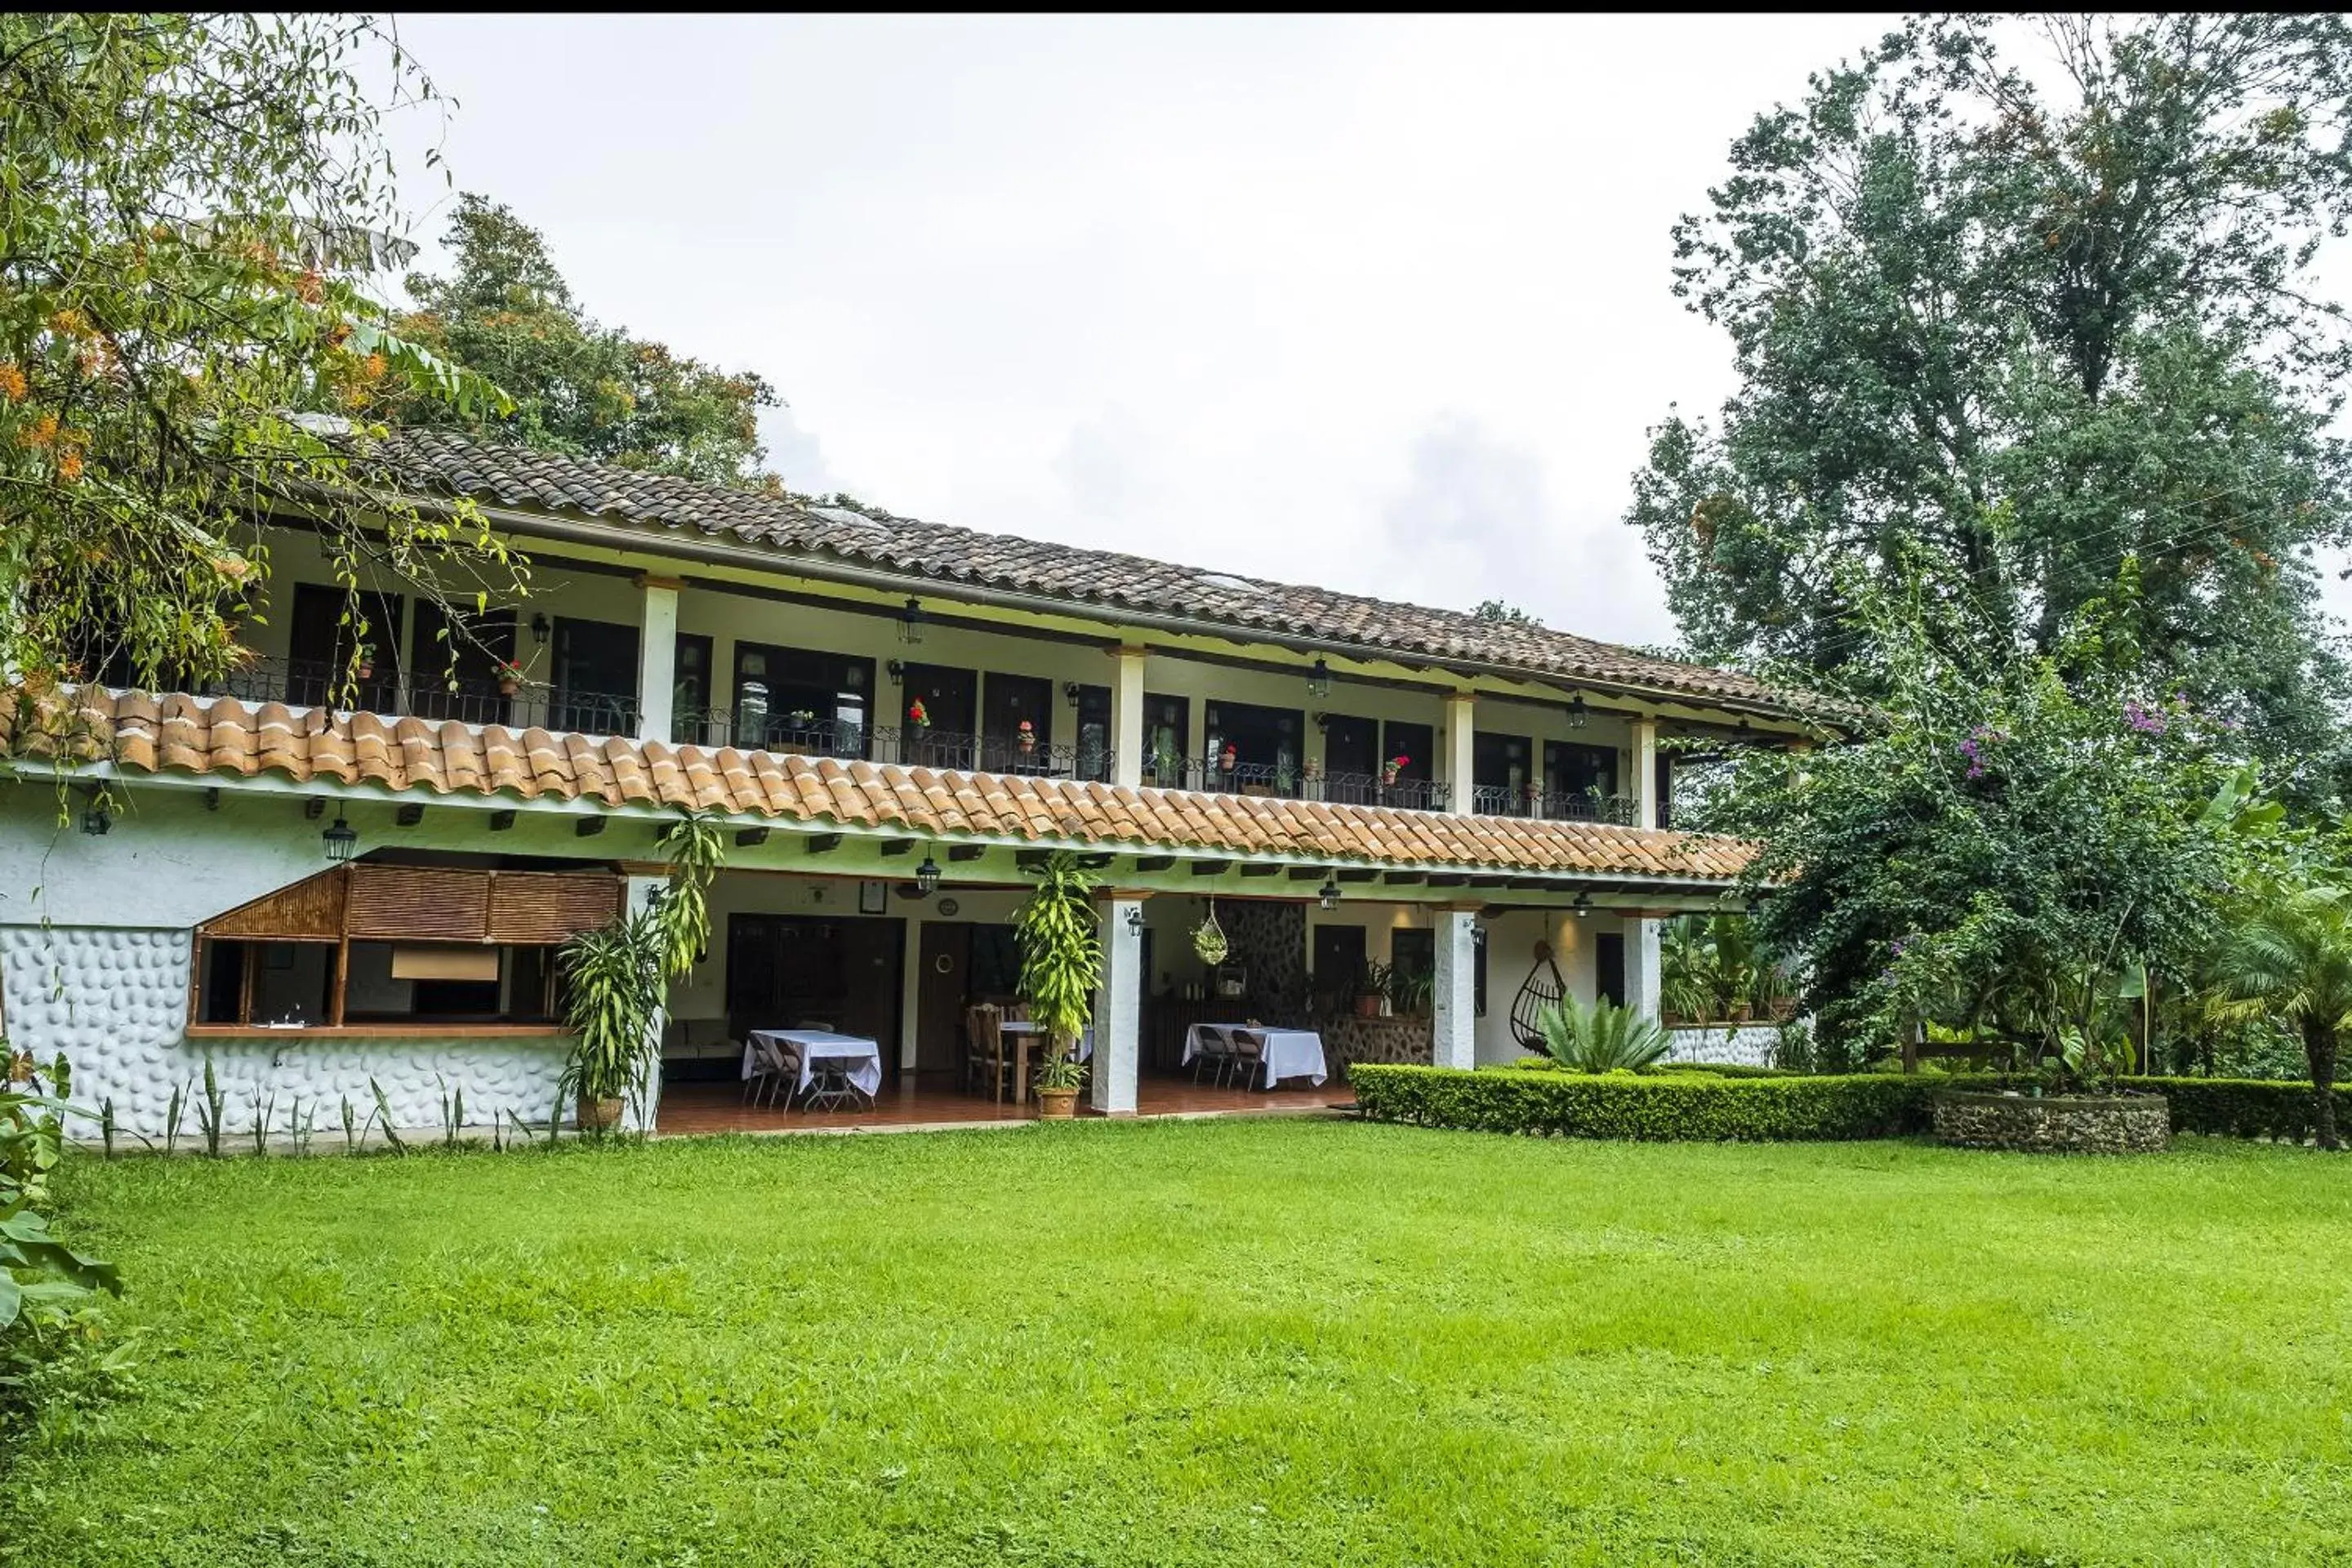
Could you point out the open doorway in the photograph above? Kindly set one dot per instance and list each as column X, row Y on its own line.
column 799, row 972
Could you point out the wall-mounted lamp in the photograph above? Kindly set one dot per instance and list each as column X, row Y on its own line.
column 1329, row 896
column 1322, row 721
column 910, row 622
column 340, row 840
column 1582, row 906
column 1135, row 919
column 896, row 670
column 927, row 876
column 1070, row 691
column 1577, row 712
column 540, row 627
column 1319, row 679
column 96, row 819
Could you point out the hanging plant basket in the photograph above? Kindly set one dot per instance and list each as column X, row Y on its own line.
column 1209, row 939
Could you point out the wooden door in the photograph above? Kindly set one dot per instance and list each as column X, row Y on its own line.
column 1007, row 702
column 940, row 996
column 319, row 647
column 455, row 660
column 870, row 953
column 951, row 702
column 1609, row 967
column 1339, row 965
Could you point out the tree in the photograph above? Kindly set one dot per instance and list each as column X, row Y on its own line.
column 185, row 202
column 578, row 387
column 2288, row 956
column 1495, row 612
column 2014, row 328
column 2007, row 856
column 1061, row 961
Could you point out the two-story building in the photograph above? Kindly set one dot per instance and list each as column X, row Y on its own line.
column 324, row 885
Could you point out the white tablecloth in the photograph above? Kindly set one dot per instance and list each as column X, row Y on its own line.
column 1288, row 1053
column 1024, row 1027
column 811, row 1045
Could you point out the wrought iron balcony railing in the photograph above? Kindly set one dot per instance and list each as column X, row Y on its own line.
column 519, row 705
column 1500, row 800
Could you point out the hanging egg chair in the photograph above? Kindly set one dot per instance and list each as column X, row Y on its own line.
column 1542, row 989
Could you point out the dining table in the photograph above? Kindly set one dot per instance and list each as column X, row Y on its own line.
column 809, row 1047
column 1282, row 1053
column 1027, row 1034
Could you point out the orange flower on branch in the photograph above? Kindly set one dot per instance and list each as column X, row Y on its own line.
column 70, row 465
column 39, row 433
column 12, row 383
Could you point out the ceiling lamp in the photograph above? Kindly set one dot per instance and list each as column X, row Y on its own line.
column 1331, row 893
column 1319, row 679
column 340, row 840
column 1582, row 906
column 1577, row 712
column 910, row 622
column 927, row 874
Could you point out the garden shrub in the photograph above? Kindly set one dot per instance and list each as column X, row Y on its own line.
column 1716, row 1104
column 1698, row 1107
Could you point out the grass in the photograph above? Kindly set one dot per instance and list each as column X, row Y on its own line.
column 1238, row 1342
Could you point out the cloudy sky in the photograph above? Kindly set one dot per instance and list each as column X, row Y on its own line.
column 1377, row 304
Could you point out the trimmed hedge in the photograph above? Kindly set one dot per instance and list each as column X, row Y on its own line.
column 1664, row 1106
column 1709, row 1108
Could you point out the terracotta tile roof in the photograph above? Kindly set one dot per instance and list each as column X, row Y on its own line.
column 142, row 733
column 1093, row 579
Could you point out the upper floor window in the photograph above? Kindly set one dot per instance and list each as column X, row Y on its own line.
column 795, row 699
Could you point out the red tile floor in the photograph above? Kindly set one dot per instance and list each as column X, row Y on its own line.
column 915, row 1101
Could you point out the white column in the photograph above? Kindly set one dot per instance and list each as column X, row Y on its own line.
column 1457, row 750
column 1641, row 965
column 1118, row 1007
column 911, row 992
column 1127, row 719
column 639, row 1115
column 1643, row 759
column 1456, row 1009
column 656, row 657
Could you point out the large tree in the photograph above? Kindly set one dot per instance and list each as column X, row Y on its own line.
column 579, row 387
column 185, row 202
column 2014, row 321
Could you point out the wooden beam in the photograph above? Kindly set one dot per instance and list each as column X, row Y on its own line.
column 898, row 846
column 1259, row 869
column 588, row 827
column 1492, row 882
column 1305, row 873
column 1402, row 879
column 750, row 837
column 1211, row 868
column 966, row 851
column 409, row 815
column 1358, row 873
column 1146, row 865
column 502, row 820
column 823, row 843
column 1098, row 861
column 1031, row 859
column 1442, row 879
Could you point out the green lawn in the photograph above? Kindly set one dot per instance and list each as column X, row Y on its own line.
column 1244, row 1342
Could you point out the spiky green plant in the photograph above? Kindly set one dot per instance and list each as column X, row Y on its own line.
column 1600, row 1036
column 384, row 1115
column 210, row 1112
column 1061, row 962
column 171, row 1116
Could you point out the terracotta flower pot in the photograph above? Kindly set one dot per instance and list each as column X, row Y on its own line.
column 1057, row 1104
column 508, row 685
column 1368, row 1006
column 598, row 1115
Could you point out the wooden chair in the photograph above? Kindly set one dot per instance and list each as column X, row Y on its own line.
column 984, row 1048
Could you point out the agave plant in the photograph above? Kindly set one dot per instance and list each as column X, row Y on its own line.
column 1600, row 1036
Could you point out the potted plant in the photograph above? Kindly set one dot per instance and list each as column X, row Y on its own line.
column 363, row 664
column 1026, row 737
column 1208, row 944
column 1413, row 992
column 1371, row 988
column 917, row 715
column 1061, row 965
column 1394, row 769
column 1230, row 758
column 510, row 677
column 616, row 978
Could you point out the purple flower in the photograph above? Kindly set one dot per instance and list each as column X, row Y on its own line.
column 2143, row 720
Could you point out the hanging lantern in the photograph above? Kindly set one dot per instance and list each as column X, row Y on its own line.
column 910, row 622
column 1319, row 679
column 927, row 874
column 1331, row 893
column 340, row 840
column 1577, row 712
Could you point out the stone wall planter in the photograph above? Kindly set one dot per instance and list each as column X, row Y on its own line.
column 2056, row 1124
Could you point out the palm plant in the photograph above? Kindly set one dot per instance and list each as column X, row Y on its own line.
column 613, row 990
column 1600, row 1036
column 1061, row 964
column 1686, row 968
column 2289, row 959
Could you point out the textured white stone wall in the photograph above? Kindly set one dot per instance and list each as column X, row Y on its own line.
column 115, row 1001
column 1745, row 1045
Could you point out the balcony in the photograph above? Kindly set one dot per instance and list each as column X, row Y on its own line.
column 521, row 705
